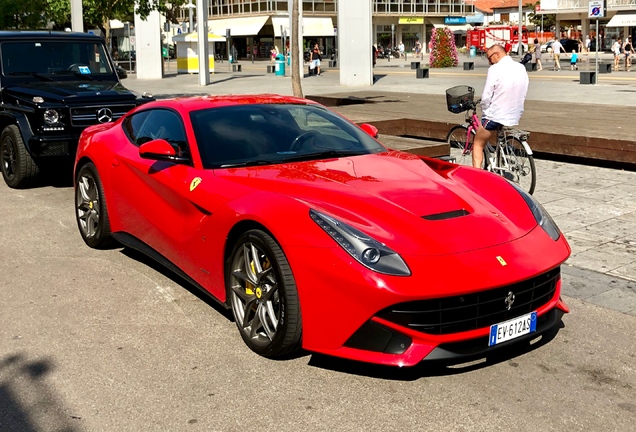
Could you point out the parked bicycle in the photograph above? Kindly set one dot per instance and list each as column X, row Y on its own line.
column 510, row 157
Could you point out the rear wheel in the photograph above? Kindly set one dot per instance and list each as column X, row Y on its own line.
column 522, row 166
column 18, row 168
column 263, row 296
column 515, row 164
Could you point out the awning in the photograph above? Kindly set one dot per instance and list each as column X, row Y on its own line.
column 247, row 26
column 622, row 20
column 312, row 27
column 461, row 28
column 194, row 37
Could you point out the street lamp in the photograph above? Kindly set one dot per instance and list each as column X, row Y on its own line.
column 519, row 44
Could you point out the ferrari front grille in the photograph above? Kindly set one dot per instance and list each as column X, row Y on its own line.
column 87, row 116
column 472, row 311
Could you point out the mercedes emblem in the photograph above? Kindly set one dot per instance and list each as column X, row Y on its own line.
column 104, row 115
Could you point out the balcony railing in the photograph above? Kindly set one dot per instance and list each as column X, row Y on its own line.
column 584, row 4
column 230, row 8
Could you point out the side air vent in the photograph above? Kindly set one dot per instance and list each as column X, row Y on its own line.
column 446, row 215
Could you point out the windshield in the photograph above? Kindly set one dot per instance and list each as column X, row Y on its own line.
column 261, row 134
column 72, row 58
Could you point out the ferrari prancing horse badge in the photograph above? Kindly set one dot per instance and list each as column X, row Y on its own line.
column 195, row 182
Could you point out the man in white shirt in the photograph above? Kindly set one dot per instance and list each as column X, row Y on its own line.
column 401, row 49
column 557, row 48
column 502, row 99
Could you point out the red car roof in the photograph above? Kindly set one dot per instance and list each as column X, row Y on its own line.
column 194, row 103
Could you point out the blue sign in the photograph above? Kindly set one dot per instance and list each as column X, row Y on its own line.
column 454, row 20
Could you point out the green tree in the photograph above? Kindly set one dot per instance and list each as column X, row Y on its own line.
column 20, row 14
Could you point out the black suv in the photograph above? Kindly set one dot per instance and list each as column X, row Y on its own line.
column 53, row 85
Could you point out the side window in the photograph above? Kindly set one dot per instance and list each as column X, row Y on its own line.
column 157, row 124
column 132, row 126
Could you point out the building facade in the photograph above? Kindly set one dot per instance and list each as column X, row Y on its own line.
column 261, row 24
column 619, row 19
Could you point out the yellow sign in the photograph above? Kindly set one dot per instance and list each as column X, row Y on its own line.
column 195, row 182
column 411, row 20
column 501, row 261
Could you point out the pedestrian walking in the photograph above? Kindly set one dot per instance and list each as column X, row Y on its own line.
column 629, row 52
column 418, row 48
column 314, row 58
column 537, row 54
column 616, row 49
column 557, row 49
column 573, row 59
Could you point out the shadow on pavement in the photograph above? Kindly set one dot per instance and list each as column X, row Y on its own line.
column 27, row 403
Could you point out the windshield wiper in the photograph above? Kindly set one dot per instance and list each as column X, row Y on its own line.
column 248, row 163
column 324, row 155
column 34, row 74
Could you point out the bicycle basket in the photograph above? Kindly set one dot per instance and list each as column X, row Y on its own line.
column 459, row 98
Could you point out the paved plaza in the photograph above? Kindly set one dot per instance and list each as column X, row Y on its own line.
column 594, row 206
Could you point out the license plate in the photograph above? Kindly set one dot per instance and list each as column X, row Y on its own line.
column 513, row 328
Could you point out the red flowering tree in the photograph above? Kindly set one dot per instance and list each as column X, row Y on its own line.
column 443, row 49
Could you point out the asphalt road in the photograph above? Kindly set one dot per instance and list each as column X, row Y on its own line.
column 106, row 341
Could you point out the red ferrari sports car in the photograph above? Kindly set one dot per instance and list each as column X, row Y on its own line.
column 317, row 236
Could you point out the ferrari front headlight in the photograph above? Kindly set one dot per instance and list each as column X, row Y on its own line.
column 540, row 214
column 365, row 249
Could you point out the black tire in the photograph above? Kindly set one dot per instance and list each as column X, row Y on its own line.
column 91, row 212
column 19, row 170
column 456, row 140
column 263, row 295
column 522, row 169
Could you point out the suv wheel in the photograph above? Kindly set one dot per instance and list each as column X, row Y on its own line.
column 18, row 168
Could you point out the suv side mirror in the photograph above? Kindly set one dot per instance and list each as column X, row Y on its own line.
column 121, row 72
column 370, row 129
column 160, row 150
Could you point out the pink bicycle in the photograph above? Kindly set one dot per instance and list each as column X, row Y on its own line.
column 510, row 157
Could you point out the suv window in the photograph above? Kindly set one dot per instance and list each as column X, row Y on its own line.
column 54, row 57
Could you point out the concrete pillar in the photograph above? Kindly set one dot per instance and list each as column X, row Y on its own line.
column 77, row 16
column 148, row 46
column 585, row 30
column 203, row 50
column 354, row 43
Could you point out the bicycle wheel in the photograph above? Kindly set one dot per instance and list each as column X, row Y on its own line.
column 516, row 164
column 456, row 139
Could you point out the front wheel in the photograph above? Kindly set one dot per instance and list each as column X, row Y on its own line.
column 460, row 147
column 263, row 296
column 515, row 164
column 18, row 168
column 91, row 212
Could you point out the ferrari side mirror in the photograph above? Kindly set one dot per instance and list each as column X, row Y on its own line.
column 370, row 129
column 160, row 149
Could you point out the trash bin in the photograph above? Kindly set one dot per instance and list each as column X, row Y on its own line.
column 280, row 65
column 473, row 51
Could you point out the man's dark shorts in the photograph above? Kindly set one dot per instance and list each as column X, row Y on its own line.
column 490, row 125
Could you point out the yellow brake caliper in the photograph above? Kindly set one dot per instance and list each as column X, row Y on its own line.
column 249, row 288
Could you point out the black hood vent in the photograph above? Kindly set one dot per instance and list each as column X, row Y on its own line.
column 446, row 215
